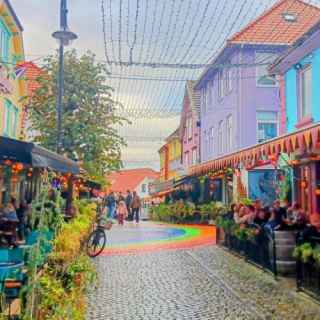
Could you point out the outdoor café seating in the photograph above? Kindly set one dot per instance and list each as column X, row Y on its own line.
column 8, row 232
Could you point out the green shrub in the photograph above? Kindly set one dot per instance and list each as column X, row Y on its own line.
column 303, row 252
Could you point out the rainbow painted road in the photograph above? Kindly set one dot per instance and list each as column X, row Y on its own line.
column 148, row 237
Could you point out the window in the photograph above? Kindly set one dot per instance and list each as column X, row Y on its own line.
column 220, row 137
column 7, row 118
column 305, row 77
column 204, row 100
column 267, row 125
column 229, row 134
column 189, row 125
column 211, row 140
column 4, row 42
column 263, row 78
column 186, row 158
column 143, row 188
column 194, row 156
column 210, row 94
column 228, row 79
column 220, row 83
column 11, row 117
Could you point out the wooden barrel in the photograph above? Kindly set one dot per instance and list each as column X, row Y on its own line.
column 285, row 242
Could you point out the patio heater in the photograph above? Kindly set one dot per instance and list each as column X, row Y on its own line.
column 64, row 37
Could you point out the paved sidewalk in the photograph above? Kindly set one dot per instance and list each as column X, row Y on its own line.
column 200, row 282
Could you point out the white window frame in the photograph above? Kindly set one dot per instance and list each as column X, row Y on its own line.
column 220, row 137
column 258, row 69
column 229, row 133
column 186, row 158
column 276, row 122
column 194, row 156
column 5, row 39
column 220, row 84
column 143, row 188
column 307, row 68
column 212, row 139
column 204, row 100
column 189, row 125
column 228, row 79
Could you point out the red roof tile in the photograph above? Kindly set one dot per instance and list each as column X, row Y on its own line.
column 124, row 180
column 272, row 28
column 32, row 73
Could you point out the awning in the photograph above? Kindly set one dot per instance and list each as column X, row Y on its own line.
column 37, row 157
column 163, row 193
column 302, row 141
column 184, row 180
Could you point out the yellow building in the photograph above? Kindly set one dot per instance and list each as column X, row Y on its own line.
column 170, row 158
column 12, row 85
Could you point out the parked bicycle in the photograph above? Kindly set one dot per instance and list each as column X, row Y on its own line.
column 97, row 239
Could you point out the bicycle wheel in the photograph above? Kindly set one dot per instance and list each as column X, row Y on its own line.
column 96, row 243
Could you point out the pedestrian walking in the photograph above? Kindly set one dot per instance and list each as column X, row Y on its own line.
column 122, row 212
column 120, row 197
column 128, row 201
column 136, row 206
column 111, row 204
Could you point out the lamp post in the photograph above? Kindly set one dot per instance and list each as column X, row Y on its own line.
column 64, row 37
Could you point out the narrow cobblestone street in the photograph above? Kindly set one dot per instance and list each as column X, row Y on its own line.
column 199, row 282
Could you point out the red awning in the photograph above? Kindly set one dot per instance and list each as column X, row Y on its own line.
column 304, row 140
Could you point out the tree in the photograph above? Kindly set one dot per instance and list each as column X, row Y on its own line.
column 89, row 114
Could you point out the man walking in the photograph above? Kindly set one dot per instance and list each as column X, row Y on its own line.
column 111, row 204
column 128, row 201
column 136, row 205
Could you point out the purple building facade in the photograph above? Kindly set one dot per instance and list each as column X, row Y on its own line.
column 240, row 104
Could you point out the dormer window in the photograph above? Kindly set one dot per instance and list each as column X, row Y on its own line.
column 289, row 17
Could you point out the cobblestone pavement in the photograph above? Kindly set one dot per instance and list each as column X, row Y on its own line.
column 191, row 283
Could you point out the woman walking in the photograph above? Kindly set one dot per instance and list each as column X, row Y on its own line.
column 122, row 212
column 136, row 205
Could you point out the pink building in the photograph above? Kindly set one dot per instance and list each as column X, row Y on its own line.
column 190, row 126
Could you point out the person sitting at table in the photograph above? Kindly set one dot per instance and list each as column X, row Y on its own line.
column 275, row 221
column 262, row 217
column 8, row 222
column 22, row 213
column 9, row 213
column 248, row 216
column 296, row 217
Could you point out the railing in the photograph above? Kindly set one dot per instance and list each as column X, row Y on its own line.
column 308, row 274
column 260, row 250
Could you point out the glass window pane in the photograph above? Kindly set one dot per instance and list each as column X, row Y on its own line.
column 306, row 92
column 263, row 77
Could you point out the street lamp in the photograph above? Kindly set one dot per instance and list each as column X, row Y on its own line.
column 64, row 37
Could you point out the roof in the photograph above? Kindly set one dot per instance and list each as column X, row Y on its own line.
column 173, row 135
column 16, row 19
column 272, row 28
column 124, row 180
column 194, row 98
column 303, row 46
column 31, row 75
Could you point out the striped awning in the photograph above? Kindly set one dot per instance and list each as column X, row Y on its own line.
column 302, row 141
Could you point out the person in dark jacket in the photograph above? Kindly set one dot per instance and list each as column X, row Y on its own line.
column 111, row 204
column 128, row 202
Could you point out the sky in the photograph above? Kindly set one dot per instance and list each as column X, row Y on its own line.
column 146, row 31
